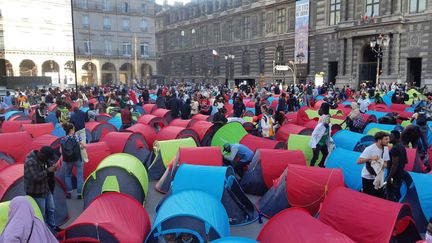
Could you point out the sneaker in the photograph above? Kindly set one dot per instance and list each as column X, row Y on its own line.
column 79, row 196
column 68, row 195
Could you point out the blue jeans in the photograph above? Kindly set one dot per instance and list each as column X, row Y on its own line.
column 67, row 169
column 47, row 208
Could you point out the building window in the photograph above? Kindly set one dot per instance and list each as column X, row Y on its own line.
column 127, row 49
column 107, row 23
column 106, row 5
column 143, row 8
column 262, row 23
column 108, row 47
column 245, row 63
column 216, row 68
column 269, row 21
column 279, row 56
column 216, row 32
column 85, row 21
column 193, row 37
column 144, row 49
column 335, row 6
column 144, row 25
column 261, row 59
column 125, row 7
column 125, row 25
column 84, row 3
column 230, row 31
column 372, row 7
column 417, row 6
column 246, row 27
column 87, row 47
column 281, row 18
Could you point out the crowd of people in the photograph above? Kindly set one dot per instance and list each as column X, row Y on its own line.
column 185, row 100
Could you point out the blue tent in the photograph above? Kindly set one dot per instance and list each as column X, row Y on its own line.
column 234, row 240
column 10, row 114
column 251, row 110
column 192, row 212
column 347, row 161
column 319, row 97
column 153, row 97
column 221, row 183
column 139, row 109
column 346, row 103
column 378, row 114
column 58, row 131
column 385, row 127
column 387, row 98
column 352, row 141
column 116, row 121
column 419, row 195
column 84, row 109
column 51, row 117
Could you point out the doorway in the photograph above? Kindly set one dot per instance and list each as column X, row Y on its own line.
column 368, row 66
column 332, row 72
column 414, row 71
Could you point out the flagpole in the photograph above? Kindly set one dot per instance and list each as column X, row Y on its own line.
column 136, row 58
column 74, row 48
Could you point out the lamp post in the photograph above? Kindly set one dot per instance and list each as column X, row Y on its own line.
column 378, row 45
column 229, row 60
column 294, row 71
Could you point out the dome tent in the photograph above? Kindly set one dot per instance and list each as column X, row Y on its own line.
column 4, row 212
column 111, row 217
column 220, row 182
column 173, row 132
column 146, row 131
column 205, row 131
column 117, row 173
column 129, row 143
column 13, row 126
column 155, row 122
column 14, row 146
column 346, row 160
column 96, row 153
column 300, row 186
column 164, row 152
column 12, row 185
column 96, row 130
column 296, row 225
column 266, row 166
column 352, row 140
column 164, row 114
column 210, row 156
column 192, row 212
column 36, row 130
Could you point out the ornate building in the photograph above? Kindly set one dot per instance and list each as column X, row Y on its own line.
column 251, row 37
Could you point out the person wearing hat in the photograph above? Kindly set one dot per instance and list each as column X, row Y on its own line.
column 38, row 168
column 395, row 166
column 238, row 155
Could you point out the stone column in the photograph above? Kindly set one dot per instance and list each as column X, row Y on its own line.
column 395, row 51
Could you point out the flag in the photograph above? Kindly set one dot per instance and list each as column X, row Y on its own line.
column 365, row 17
column 372, row 17
column 215, row 53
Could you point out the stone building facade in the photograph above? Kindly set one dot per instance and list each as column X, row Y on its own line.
column 114, row 40
column 255, row 35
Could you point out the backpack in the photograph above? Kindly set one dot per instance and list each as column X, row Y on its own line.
column 64, row 115
column 70, row 149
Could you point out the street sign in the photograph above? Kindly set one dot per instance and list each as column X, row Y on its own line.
column 281, row 68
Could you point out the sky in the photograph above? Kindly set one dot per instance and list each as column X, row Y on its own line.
column 171, row 2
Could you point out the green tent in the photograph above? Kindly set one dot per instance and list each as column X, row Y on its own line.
column 4, row 212
column 406, row 123
column 230, row 133
column 301, row 142
column 375, row 130
column 411, row 92
column 120, row 173
column 248, row 119
column 314, row 113
column 164, row 152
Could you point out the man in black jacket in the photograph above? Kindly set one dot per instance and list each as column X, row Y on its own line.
column 38, row 168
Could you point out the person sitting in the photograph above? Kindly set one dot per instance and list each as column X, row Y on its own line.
column 238, row 156
column 126, row 117
column 219, row 117
column 23, row 225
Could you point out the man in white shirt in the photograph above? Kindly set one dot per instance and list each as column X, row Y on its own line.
column 374, row 152
column 364, row 103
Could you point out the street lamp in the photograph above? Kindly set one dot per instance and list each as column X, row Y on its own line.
column 378, row 45
column 294, row 71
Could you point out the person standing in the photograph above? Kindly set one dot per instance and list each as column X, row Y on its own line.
column 126, row 117
column 266, row 123
column 71, row 151
column 238, row 107
column 364, row 103
column 38, row 168
column 41, row 113
column 282, row 103
column 320, row 139
column 374, row 154
column 396, row 166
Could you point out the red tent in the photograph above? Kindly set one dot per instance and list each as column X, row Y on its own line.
column 398, row 107
column 103, row 117
column 250, row 104
column 200, row 117
column 303, row 119
column 13, row 126
column 366, row 218
column 210, row 156
column 318, row 104
column 266, row 166
column 287, row 129
column 3, row 164
column 126, row 142
column 180, row 123
column 96, row 153
column 146, row 131
column 296, row 225
column 164, row 114
column 153, row 121
column 97, row 130
column 111, row 217
column 9, row 176
column 45, row 140
column 37, row 130
column 171, row 132
column 300, row 186
column 15, row 145
column 291, row 117
column 52, row 107
column 254, row 143
column 149, row 108
column 205, row 131
column 414, row 162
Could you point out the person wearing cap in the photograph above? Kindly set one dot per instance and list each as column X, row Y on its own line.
column 38, row 167
column 238, row 155
column 396, row 166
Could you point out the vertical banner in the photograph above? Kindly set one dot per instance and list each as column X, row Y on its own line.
column 301, row 32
